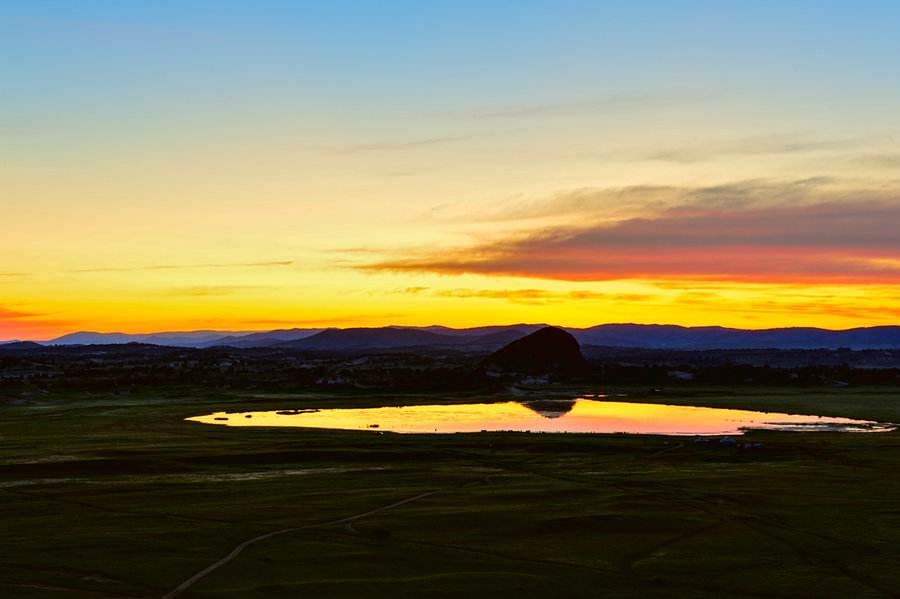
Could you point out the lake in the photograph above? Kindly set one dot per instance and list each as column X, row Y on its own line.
column 545, row 416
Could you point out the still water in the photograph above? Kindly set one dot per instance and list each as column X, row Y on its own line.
column 545, row 416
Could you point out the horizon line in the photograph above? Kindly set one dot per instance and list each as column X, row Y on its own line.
column 245, row 332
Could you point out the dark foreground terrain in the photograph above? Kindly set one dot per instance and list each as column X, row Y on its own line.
column 108, row 495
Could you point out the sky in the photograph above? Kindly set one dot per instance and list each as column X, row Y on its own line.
column 258, row 165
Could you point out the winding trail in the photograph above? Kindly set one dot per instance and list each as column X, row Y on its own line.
column 239, row 548
column 758, row 523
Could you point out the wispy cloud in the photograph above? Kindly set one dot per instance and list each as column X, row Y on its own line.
column 889, row 160
column 611, row 203
column 337, row 320
column 754, row 146
column 539, row 296
column 618, row 203
column 21, row 324
column 263, row 264
column 212, row 290
column 879, row 304
column 742, row 232
column 8, row 313
column 391, row 146
column 617, row 102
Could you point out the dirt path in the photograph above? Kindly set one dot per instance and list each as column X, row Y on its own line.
column 756, row 522
column 239, row 548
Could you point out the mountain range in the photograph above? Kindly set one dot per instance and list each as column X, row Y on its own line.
column 491, row 337
column 172, row 338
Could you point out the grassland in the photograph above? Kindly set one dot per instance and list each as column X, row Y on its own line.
column 117, row 496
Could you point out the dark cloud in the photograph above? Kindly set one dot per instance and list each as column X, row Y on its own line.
column 746, row 232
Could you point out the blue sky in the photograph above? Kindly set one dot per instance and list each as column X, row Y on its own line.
column 362, row 56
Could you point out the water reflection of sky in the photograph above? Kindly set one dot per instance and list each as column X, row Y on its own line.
column 549, row 416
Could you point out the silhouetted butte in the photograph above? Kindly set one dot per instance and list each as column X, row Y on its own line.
column 546, row 351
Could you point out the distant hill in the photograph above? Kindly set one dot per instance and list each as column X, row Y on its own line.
column 491, row 337
column 172, row 338
column 20, row 345
column 520, row 329
column 547, row 351
column 263, row 339
column 495, row 340
column 387, row 337
column 92, row 338
column 357, row 339
column 677, row 337
column 368, row 338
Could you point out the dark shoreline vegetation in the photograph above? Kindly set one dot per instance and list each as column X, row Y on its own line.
column 107, row 492
column 139, row 367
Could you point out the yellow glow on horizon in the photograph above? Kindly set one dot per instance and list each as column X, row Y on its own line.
column 261, row 298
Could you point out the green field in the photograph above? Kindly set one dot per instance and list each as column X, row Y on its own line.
column 116, row 496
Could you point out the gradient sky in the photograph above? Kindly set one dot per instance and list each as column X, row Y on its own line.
column 255, row 165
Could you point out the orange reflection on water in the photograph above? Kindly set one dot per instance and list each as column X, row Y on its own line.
column 546, row 416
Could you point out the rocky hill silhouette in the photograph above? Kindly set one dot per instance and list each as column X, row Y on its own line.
column 549, row 350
